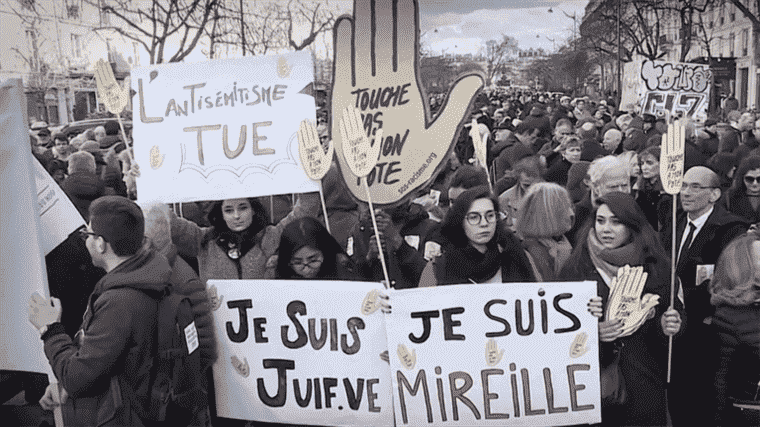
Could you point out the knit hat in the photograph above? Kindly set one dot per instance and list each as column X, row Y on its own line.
column 81, row 161
column 90, row 147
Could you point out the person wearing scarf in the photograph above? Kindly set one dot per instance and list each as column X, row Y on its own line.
column 618, row 234
column 479, row 252
column 650, row 195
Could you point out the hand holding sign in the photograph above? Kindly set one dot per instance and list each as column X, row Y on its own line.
column 672, row 157
column 376, row 70
column 113, row 95
column 408, row 359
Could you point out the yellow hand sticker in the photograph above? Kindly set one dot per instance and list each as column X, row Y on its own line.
column 408, row 360
column 241, row 368
column 493, row 354
column 370, row 303
column 213, row 298
column 283, row 69
column 578, row 347
column 156, row 158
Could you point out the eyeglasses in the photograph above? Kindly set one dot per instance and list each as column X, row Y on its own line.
column 312, row 263
column 694, row 187
column 84, row 234
column 474, row 218
column 751, row 179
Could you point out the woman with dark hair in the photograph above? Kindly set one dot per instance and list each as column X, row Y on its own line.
column 743, row 197
column 650, row 195
column 735, row 293
column 240, row 241
column 618, row 234
column 308, row 251
column 474, row 251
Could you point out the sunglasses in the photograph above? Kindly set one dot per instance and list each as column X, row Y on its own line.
column 751, row 179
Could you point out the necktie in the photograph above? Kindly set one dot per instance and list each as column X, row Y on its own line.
column 687, row 243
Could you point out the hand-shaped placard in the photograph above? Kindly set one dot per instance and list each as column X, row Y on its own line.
column 479, row 144
column 358, row 152
column 113, row 95
column 672, row 157
column 377, row 72
column 493, row 353
column 640, row 315
column 625, row 292
column 315, row 161
column 407, row 358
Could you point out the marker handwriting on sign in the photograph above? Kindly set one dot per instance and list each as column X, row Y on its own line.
column 112, row 94
column 672, row 157
column 316, row 162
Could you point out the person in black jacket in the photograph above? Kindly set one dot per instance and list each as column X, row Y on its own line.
column 744, row 195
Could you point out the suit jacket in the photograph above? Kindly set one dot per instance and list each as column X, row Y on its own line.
column 719, row 230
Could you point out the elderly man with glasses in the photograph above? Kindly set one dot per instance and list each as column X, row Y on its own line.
column 702, row 231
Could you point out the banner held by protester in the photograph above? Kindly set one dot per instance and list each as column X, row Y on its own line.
column 222, row 129
column 21, row 255
column 516, row 354
column 297, row 352
column 58, row 216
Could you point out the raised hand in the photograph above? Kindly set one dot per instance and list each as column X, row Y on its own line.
column 112, row 94
column 493, row 354
column 376, row 61
column 672, row 157
column 315, row 161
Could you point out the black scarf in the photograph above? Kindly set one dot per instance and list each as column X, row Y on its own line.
column 467, row 265
column 236, row 245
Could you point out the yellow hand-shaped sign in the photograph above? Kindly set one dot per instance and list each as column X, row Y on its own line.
column 156, row 158
column 479, row 143
column 377, row 71
column 637, row 318
column 370, row 303
column 408, row 359
column 625, row 292
column 672, row 157
column 493, row 354
column 359, row 155
column 315, row 161
column 215, row 301
column 578, row 347
column 111, row 93
column 241, row 368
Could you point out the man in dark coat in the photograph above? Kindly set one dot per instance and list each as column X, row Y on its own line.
column 703, row 230
column 99, row 368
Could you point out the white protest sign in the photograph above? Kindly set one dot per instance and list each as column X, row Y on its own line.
column 222, row 129
column 301, row 352
column 23, row 262
column 672, row 157
column 669, row 89
column 58, row 216
column 501, row 354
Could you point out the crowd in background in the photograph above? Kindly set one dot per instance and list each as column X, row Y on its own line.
column 571, row 191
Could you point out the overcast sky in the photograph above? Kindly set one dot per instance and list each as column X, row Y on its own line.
column 462, row 26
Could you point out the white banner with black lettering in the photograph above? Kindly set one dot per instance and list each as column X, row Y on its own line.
column 301, row 352
column 502, row 354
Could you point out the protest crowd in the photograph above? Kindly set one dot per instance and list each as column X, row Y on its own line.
column 570, row 191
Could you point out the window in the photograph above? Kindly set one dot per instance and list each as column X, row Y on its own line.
column 733, row 16
column 745, row 42
column 731, row 44
column 72, row 11
column 136, row 48
column 76, row 45
column 27, row 4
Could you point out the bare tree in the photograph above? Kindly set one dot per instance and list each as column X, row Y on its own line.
column 319, row 21
column 496, row 54
column 153, row 24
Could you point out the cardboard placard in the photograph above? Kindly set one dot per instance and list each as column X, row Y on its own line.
column 376, row 70
column 301, row 352
column 506, row 354
column 222, row 129
column 672, row 157
column 21, row 255
column 672, row 89
column 58, row 216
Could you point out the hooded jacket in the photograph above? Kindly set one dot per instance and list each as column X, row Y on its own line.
column 116, row 340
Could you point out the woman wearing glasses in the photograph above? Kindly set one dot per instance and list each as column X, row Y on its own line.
column 744, row 195
column 473, row 230
column 240, row 241
column 308, row 251
column 617, row 234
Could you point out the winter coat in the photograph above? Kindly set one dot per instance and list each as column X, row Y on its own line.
column 115, row 343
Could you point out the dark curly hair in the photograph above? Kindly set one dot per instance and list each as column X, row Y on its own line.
column 219, row 226
column 452, row 227
column 310, row 232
